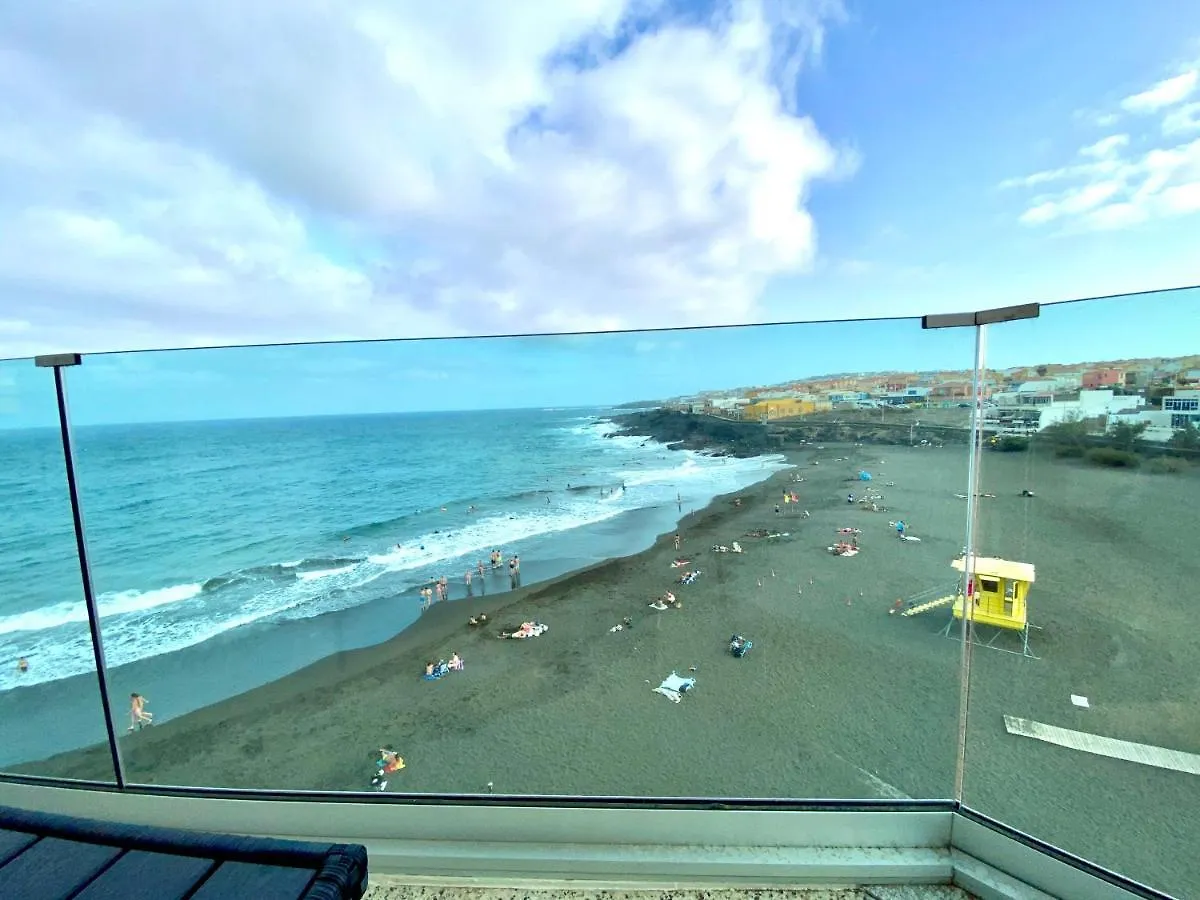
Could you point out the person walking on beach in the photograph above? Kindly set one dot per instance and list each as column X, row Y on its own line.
column 137, row 712
column 470, row 592
column 677, row 540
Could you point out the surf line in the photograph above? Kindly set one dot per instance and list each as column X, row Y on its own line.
column 1146, row 754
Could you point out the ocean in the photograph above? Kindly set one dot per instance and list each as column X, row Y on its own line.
column 228, row 554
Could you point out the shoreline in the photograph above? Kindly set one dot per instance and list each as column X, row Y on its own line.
column 836, row 700
column 433, row 627
column 253, row 655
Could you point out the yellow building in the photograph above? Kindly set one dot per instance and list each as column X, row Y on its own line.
column 778, row 408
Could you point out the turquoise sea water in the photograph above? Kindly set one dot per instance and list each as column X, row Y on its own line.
column 221, row 534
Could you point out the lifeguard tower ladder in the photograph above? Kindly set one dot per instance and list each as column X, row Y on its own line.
column 997, row 600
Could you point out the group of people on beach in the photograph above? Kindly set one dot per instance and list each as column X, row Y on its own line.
column 439, row 588
column 443, row 666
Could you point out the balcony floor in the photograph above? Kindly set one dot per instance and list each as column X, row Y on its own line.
column 394, row 888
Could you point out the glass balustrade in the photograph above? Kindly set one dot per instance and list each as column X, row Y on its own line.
column 50, row 702
column 1087, row 533
column 465, row 553
column 689, row 563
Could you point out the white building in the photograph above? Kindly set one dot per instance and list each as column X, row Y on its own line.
column 1013, row 414
column 904, row 397
column 1178, row 411
column 1090, row 405
column 836, row 397
column 1068, row 382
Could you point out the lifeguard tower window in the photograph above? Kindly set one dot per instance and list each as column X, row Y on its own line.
column 989, row 584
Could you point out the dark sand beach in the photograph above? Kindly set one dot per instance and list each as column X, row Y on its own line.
column 837, row 698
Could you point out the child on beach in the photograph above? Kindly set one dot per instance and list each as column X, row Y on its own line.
column 137, row 712
column 389, row 762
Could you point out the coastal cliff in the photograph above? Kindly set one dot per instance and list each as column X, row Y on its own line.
column 685, row 431
column 693, row 431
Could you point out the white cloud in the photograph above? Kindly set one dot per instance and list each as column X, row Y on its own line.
column 1183, row 119
column 1106, row 147
column 1167, row 92
column 1115, row 188
column 217, row 172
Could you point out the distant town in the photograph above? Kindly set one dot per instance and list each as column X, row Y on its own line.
column 1157, row 396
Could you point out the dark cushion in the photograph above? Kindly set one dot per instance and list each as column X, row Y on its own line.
column 44, row 856
column 139, row 875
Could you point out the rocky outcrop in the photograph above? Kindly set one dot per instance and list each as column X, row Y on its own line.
column 685, row 431
column 690, row 431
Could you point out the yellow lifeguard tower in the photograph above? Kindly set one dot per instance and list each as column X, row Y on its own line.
column 997, row 599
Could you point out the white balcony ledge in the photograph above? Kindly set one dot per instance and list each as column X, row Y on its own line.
column 544, row 847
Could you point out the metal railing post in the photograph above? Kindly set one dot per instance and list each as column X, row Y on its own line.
column 979, row 321
column 58, row 362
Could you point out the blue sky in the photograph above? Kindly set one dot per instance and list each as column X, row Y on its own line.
column 562, row 370
column 383, row 170
column 945, row 102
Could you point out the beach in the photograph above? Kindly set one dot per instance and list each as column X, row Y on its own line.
column 836, row 699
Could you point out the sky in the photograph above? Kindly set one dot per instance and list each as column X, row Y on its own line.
column 428, row 374
column 185, row 174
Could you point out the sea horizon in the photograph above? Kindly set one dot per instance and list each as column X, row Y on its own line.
column 615, row 409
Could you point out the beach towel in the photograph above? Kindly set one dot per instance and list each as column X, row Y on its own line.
column 525, row 630
column 674, row 687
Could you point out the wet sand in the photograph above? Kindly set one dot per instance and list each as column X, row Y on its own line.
column 836, row 699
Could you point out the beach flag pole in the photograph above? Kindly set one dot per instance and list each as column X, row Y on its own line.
column 58, row 362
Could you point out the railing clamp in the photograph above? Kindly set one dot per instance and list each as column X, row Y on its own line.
column 983, row 317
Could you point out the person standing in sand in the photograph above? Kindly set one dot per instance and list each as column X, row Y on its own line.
column 677, row 540
column 467, row 580
column 137, row 712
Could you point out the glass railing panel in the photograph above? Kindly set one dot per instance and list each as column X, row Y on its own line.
column 269, row 518
column 49, row 698
column 1091, row 479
